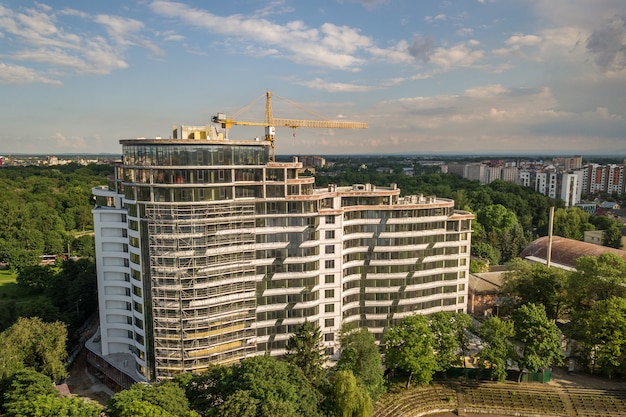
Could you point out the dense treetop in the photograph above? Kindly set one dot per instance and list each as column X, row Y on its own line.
column 42, row 209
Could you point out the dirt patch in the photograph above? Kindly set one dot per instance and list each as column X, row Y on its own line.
column 564, row 379
column 84, row 384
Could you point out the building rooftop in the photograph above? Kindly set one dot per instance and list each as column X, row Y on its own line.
column 486, row 282
column 565, row 251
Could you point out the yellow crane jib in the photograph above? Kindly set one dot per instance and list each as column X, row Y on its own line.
column 271, row 122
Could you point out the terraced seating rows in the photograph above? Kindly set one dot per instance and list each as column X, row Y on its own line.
column 503, row 398
column 512, row 398
column 588, row 402
column 417, row 401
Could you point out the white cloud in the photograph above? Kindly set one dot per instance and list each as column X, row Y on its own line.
column 483, row 110
column 486, row 91
column 75, row 143
column 37, row 37
column 581, row 14
column 329, row 46
column 465, row 32
column 431, row 19
column 459, row 55
column 607, row 45
column 170, row 36
column 337, row 87
column 15, row 74
column 523, row 40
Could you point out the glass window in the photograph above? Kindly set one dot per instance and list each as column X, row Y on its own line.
column 329, row 279
column 329, row 249
column 329, row 308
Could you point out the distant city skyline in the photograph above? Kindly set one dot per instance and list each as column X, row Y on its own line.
column 477, row 77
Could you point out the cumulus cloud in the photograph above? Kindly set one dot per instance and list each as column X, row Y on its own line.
column 37, row 37
column 486, row 91
column 607, row 45
column 329, row 45
column 460, row 55
column 486, row 110
column 16, row 74
column 421, row 47
column 523, row 40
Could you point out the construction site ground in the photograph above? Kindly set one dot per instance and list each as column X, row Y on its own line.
column 83, row 384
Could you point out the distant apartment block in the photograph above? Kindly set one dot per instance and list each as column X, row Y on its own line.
column 570, row 163
column 603, row 178
column 312, row 161
column 549, row 180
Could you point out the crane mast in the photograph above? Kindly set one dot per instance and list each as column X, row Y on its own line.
column 271, row 122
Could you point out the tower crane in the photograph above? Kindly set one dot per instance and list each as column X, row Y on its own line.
column 271, row 122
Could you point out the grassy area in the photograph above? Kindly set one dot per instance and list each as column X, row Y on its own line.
column 10, row 291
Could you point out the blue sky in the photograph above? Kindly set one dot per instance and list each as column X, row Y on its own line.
column 461, row 76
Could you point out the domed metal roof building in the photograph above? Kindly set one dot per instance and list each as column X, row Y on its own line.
column 565, row 252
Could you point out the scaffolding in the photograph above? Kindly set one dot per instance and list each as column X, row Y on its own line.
column 203, row 284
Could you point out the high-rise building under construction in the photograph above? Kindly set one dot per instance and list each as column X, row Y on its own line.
column 209, row 252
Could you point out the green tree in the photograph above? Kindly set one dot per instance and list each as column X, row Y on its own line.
column 39, row 205
column 280, row 387
column 599, row 332
column 595, row 279
column 361, row 356
column 167, row 399
column 32, row 343
column 408, row 347
column 35, row 277
column 23, row 385
column 73, row 290
column 40, row 307
column 511, row 242
column 84, row 246
column 450, row 333
column 349, row 399
column 240, row 404
column 306, row 350
column 487, row 252
column 207, row 390
column 496, row 217
column 526, row 283
column 613, row 237
column 498, row 350
column 139, row 408
column 478, row 265
column 54, row 405
column 499, row 228
column 539, row 336
column 571, row 223
column 32, row 394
